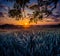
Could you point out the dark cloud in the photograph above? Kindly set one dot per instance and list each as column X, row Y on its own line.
column 2, row 6
column 1, row 14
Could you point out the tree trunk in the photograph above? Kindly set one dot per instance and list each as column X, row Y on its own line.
column 23, row 8
column 24, row 12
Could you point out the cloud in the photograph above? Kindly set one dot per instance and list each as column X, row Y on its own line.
column 3, row 6
column 1, row 14
column 3, row 10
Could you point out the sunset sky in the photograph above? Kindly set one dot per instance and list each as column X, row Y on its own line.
column 4, row 19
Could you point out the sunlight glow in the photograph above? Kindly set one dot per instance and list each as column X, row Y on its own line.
column 26, row 25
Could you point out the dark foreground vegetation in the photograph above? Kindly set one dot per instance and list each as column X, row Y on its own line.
column 40, row 43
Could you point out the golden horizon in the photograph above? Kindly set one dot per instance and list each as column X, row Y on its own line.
column 25, row 22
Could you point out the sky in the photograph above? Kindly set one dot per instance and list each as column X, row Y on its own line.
column 5, row 19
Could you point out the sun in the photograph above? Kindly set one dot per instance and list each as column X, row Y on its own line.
column 26, row 25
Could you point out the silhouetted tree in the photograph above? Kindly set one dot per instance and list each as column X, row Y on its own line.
column 18, row 5
column 42, row 6
column 46, row 3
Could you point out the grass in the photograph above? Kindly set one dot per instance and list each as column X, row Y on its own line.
column 30, row 43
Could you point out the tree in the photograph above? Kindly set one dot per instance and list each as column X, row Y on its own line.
column 42, row 6
column 46, row 3
column 18, row 5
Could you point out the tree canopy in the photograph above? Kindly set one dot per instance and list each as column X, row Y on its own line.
column 42, row 6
